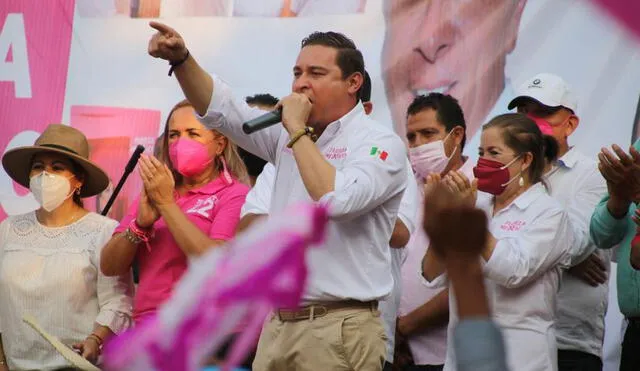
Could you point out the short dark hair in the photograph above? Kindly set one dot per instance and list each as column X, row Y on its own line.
column 262, row 100
column 448, row 111
column 253, row 163
column 522, row 135
column 349, row 58
column 365, row 90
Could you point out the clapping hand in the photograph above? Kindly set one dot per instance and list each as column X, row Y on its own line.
column 622, row 173
column 456, row 228
column 466, row 190
column 158, row 181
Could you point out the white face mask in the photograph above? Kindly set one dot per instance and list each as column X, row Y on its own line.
column 50, row 190
column 430, row 158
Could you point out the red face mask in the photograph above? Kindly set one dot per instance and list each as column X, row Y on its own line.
column 493, row 176
column 544, row 125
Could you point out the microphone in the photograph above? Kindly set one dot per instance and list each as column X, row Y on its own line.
column 134, row 159
column 263, row 121
column 127, row 170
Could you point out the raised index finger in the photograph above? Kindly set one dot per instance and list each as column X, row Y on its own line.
column 162, row 28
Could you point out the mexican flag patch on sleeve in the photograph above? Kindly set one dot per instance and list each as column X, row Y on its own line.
column 375, row 151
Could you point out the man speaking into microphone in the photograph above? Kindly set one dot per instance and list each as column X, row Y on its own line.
column 326, row 150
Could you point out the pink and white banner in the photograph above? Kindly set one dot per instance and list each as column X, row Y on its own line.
column 84, row 63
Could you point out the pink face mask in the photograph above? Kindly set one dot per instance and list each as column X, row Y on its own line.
column 189, row 157
column 430, row 158
column 544, row 125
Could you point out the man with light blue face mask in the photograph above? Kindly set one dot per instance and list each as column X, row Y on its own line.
column 436, row 133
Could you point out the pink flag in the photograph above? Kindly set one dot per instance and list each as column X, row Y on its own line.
column 626, row 12
column 238, row 283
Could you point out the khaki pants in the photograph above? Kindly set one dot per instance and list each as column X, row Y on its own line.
column 347, row 339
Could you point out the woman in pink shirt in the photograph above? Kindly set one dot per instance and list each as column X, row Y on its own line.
column 190, row 202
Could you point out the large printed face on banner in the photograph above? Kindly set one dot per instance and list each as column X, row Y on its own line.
column 84, row 63
column 452, row 47
column 217, row 8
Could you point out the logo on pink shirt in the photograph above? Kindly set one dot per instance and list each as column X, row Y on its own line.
column 204, row 206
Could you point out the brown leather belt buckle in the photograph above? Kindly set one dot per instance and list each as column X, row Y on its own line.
column 321, row 309
column 310, row 312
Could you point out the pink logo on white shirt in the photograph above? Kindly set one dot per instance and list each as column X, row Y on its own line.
column 512, row 226
column 336, row 153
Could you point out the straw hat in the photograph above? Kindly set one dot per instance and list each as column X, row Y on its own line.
column 66, row 141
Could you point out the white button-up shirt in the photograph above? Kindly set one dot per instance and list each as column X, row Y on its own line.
column 523, row 277
column 370, row 161
column 427, row 347
column 577, row 184
column 259, row 199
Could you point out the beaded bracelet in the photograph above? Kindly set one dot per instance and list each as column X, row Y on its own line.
column 299, row 134
column 131, row 237
column 141, row 234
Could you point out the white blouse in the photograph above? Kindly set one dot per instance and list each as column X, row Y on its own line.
column 54, row 275
column 522, row 278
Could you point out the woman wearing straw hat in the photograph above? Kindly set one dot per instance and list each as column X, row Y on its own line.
column 50, row 258
column 190, row 202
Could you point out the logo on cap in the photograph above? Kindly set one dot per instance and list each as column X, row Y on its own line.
column 536, row 81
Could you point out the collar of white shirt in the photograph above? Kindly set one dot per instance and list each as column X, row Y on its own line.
column 527, row 198
column 334, row 128
column 571, row 158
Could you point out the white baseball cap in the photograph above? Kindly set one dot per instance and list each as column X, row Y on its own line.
column 547, row 89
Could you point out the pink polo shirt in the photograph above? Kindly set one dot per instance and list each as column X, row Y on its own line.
column 214, row 208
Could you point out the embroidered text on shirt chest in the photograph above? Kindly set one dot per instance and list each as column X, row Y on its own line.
column 336, row 153
column 512, row 226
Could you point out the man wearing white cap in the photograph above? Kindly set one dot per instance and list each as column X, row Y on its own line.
column 574, row 180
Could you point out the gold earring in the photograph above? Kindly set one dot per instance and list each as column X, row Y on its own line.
column 78, row 191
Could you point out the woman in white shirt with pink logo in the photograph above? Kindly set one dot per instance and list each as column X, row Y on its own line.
column 528, row 238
